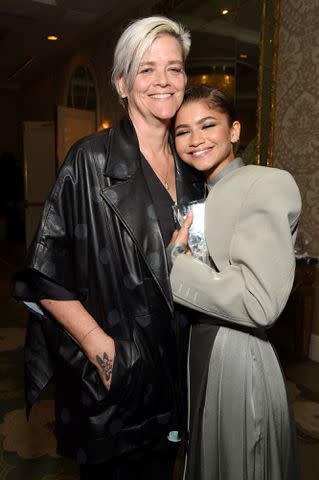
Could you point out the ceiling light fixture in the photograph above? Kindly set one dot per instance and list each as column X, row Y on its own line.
column 225, row 11
column 52, row 38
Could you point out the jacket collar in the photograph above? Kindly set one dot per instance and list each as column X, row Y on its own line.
column 124, row 153
column 233, row 165
column 128, row 195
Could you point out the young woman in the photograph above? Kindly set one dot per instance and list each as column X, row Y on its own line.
column 240, row 422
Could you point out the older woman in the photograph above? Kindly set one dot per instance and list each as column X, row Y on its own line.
column 97, row 275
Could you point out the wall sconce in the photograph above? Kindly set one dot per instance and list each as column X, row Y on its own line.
column 104, row 125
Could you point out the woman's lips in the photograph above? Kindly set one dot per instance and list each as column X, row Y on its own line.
column 161, row 96
column 198, row 153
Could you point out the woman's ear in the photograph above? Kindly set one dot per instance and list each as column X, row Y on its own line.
column 235, row 132
column 122, row 87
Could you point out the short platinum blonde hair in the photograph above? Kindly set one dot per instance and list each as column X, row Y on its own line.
column 134, row 42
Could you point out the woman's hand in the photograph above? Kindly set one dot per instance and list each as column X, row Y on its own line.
column 100, row 349
column 181, row 236
column 179, row 241
column 81, row 326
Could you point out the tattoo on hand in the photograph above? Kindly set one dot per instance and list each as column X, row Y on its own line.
column 106, row 365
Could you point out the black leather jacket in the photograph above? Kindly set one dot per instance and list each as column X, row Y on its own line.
column 99, row 237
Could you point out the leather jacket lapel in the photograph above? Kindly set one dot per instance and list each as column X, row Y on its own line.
column 128, row 196
column 133, row 205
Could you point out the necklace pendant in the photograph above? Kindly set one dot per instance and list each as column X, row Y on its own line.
column 166, row 185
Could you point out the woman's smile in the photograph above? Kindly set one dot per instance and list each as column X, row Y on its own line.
column 161, row 96
column 201, row 152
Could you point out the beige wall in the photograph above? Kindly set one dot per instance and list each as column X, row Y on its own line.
column 297, row 114
column 296, row 141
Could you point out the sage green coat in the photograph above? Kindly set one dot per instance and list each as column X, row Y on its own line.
column 240, row 422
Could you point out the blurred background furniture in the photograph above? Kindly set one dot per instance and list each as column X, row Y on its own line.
column 292, row 331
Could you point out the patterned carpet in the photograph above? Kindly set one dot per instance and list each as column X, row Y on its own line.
column 27, row 449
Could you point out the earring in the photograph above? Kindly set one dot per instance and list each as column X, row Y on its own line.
column 235, row 139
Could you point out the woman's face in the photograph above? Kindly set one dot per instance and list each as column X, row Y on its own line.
column 204, row 138
column 159, row 85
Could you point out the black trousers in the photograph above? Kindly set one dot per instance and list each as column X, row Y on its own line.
column 153, row 462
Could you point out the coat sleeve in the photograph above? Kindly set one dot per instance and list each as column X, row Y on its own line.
column 255, row 287
column 58, row 255
column 61, row 235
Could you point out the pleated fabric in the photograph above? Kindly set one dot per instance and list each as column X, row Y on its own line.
column 241, row 427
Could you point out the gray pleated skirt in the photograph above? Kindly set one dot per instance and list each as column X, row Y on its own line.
column 240, row 422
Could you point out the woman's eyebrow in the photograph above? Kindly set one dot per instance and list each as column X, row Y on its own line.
column 198, row 122
column 170, row 62
column 202, row 120
column 182, row 125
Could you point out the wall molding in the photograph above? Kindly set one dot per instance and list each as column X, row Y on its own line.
column 314, row 348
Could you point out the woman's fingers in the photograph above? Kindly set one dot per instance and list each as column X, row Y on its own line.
column 188, row 220
column 182, row 236
column 174, row 236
